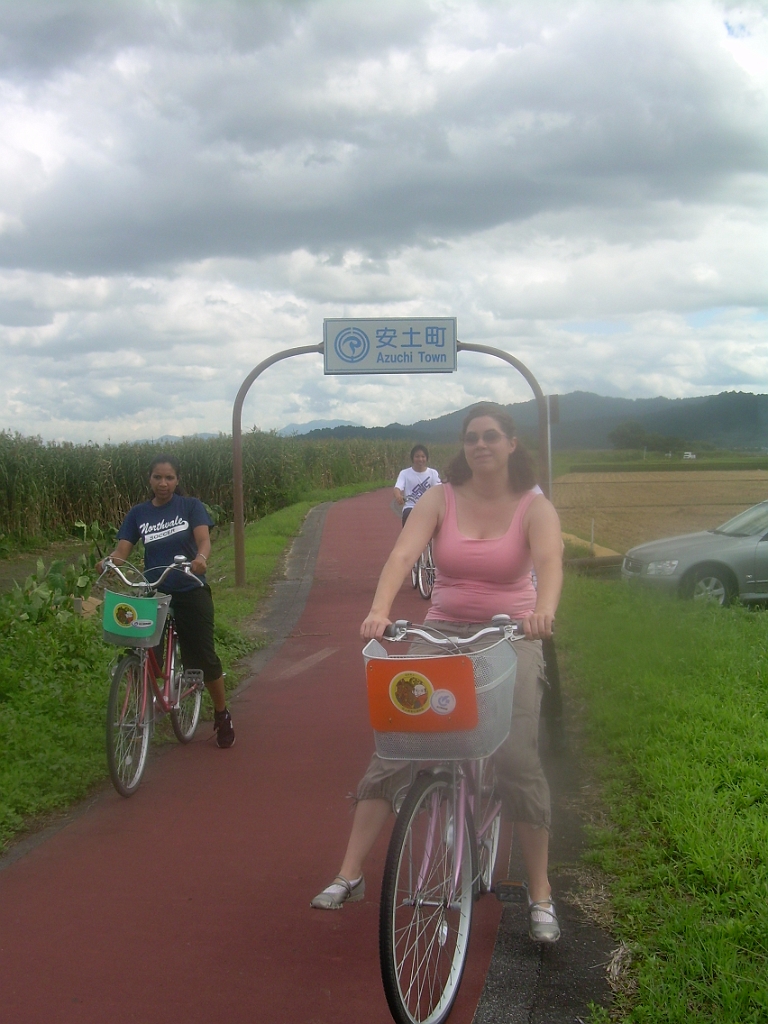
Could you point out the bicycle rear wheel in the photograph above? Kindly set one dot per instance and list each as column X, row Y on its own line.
column 415, row 575
column 426, row 574
column 129, row 725
column 425, row 915
column 188, row 696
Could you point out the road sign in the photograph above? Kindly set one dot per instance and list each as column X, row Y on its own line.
column 417, row 344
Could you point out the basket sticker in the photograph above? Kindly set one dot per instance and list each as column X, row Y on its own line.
column 126, row 616
column 411, row 692
column 443, row 702
column 402, row 698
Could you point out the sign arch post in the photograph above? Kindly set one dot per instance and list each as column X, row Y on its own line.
column 237, row 430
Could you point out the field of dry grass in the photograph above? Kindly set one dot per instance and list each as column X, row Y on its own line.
column 631, row 508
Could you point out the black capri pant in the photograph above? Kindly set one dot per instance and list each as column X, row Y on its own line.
column 193, row 615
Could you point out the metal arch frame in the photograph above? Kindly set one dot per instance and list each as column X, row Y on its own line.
column 237, row 432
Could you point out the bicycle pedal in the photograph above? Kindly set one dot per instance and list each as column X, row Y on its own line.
column 193, row 677
column 508, row 891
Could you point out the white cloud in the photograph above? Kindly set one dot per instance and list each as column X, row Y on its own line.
column 186, row 189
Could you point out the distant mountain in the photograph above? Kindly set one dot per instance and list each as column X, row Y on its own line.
column 305, row 428
column 732, row 419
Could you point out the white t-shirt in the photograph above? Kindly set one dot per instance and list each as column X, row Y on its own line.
column 414, row 484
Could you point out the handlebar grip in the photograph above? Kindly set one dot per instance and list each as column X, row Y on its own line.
column 395, row 628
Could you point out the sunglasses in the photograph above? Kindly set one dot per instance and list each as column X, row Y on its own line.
column 488, row 437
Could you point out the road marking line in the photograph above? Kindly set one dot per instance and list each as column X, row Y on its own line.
column 305, row 663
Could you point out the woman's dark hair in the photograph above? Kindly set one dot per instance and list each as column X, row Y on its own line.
column 419, row 448
column 173, row 462
column 521, row 472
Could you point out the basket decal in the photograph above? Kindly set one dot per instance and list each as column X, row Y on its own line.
column 126, row 616
column 443, row 702
column 411, row 692
column 402, row 698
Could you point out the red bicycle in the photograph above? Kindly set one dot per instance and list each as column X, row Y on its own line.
column 149, row 680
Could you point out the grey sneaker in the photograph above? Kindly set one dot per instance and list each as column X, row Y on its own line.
column 222, row 726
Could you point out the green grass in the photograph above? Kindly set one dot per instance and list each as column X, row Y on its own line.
column 52, row 703
column 54, row 677
column 676, row 699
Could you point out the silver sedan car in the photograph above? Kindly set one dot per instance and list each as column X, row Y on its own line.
column 717, row 565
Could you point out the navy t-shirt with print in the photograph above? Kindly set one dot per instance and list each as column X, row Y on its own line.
column 166, row 531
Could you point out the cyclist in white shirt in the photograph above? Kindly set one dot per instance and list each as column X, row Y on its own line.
column 415, row 481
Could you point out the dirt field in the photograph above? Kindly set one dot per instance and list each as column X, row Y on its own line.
column 630, row 508
column 20, row 566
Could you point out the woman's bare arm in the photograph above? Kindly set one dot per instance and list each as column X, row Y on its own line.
column 202, row 537
column 546, row 543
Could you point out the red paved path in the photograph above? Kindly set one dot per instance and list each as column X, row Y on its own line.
column 190, row 901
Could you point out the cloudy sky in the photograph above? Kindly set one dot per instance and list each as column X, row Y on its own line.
column 189, row 187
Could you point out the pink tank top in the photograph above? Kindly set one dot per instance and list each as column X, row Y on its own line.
column 477, row 579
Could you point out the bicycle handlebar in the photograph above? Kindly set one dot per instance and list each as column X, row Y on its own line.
column 500, row 626
column 180, row 564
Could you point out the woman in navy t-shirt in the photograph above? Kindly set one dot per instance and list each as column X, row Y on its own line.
column 171, row 524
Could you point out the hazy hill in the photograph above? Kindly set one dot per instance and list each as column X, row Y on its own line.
column 304, row 428
column 732, row 419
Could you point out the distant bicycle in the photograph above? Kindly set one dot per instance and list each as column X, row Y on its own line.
column 149, row 679
column 444, row 844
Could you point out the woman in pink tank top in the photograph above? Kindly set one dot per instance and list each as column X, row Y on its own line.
column 491, row 527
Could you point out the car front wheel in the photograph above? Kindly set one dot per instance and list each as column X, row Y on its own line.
column 710, row 583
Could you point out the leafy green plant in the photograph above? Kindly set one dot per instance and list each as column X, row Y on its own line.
column 49, row 592
column 53, row 688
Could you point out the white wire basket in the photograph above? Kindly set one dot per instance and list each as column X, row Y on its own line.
column 494, row 669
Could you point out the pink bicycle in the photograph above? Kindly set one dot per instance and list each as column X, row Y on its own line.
column 444, row 844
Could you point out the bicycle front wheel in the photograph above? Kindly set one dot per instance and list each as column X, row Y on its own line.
column 129, row 725
column 187, row 697
column 426, row 904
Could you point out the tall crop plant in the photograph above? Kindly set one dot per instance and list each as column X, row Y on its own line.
column 45, row 489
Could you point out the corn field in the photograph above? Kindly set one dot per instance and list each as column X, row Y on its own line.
column 46, row 488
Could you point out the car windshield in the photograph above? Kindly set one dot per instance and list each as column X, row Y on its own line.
column 747, row 524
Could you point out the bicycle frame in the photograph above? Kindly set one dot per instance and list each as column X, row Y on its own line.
column 461, row 799
column 153, row 670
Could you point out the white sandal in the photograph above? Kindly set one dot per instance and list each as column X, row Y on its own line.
column 339, row 892
column 543, row 925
